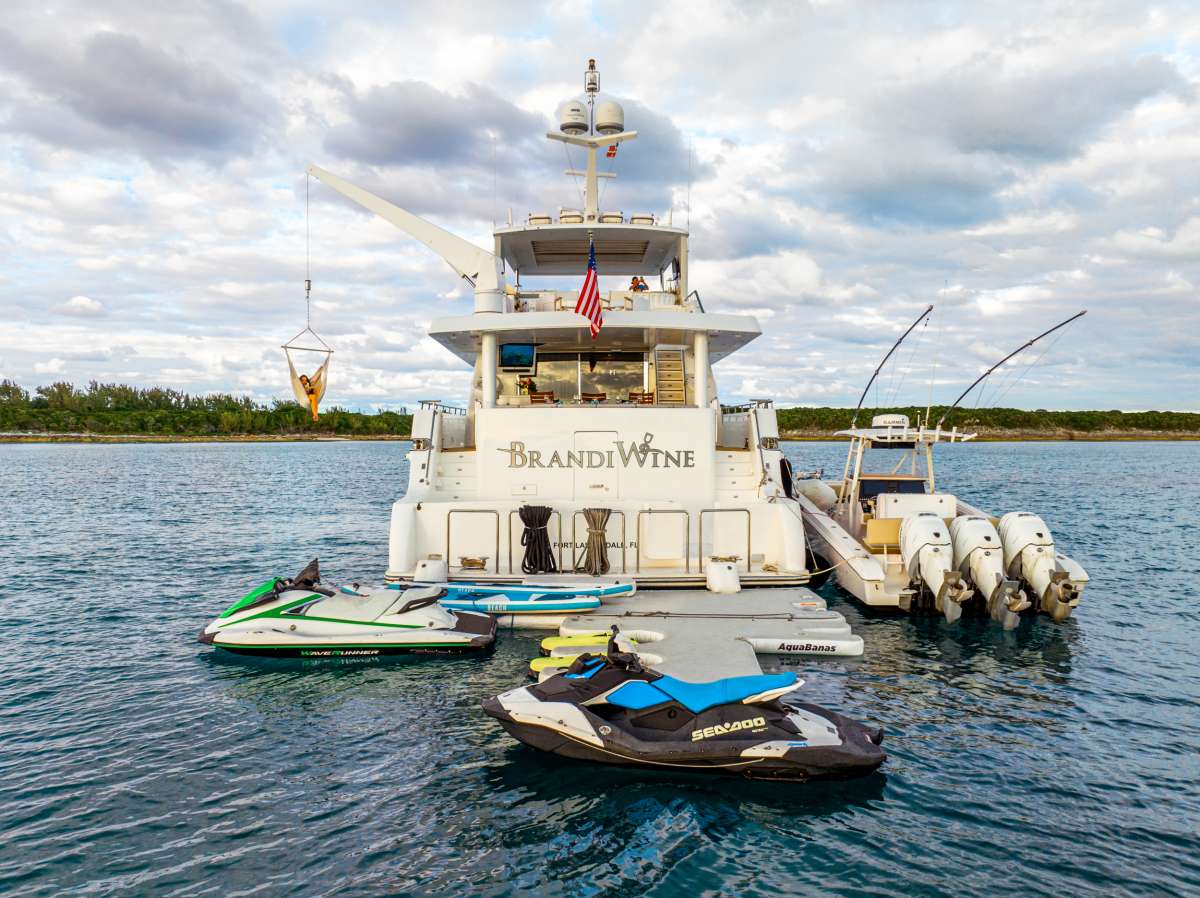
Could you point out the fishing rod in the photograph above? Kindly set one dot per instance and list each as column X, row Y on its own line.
column 1019, row 349
column 867, row 389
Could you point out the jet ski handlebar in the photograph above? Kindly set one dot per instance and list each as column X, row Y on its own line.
column 612, row 656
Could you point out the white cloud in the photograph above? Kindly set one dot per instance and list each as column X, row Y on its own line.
column 1009, row 299
column 53, row 366
column 81, row 307
column 1011, row 167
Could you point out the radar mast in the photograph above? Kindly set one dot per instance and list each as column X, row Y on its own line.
column 591, row 128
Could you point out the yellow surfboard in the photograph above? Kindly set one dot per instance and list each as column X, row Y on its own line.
column 580, row 641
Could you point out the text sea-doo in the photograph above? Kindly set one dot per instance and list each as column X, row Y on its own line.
column 609, row 708
column 299, row 618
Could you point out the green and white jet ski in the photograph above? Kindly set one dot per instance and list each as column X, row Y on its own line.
column 300, row 618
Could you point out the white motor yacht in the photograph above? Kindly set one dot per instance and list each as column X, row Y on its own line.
column 626, row 421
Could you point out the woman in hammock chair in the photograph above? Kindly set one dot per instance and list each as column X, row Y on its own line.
column 309, row 390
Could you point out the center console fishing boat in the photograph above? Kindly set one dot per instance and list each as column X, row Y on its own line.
column 895, row 539
column 892, row 538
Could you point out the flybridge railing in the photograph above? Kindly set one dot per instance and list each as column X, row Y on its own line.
column 747, row 407
column 437, row 406
column 612, row 300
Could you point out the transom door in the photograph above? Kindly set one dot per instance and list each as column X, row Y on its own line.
column 597, row 475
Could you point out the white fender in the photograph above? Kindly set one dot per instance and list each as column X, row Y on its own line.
column 978, row 554
column 722, row 577
column 818, row 492
column 929, row 557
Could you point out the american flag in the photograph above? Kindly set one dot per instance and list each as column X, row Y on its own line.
column 588, row 304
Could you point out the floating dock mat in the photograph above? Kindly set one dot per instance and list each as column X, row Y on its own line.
column 698, row 635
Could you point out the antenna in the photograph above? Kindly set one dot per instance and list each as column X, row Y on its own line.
column 879, row 368
column 1019, row 349
column 591, row 128
column 689, row 193
column 933, row 374
column 591, row 87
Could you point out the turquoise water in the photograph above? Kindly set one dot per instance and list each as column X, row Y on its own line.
column 1053, row 760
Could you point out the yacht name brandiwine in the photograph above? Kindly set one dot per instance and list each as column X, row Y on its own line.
column 625, row 455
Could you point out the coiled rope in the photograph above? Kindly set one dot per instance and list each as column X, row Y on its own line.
column 595, row 558
column 539, row 556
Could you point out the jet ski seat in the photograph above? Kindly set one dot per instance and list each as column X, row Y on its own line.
column 697, row 697
column 354, row 607
column 371, row 606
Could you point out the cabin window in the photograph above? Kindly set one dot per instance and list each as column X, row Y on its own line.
column 556, row 372
column 614, row 374
column 569, row 374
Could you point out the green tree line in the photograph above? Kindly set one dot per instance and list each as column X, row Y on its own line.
column 831, row 419
column 119, row 409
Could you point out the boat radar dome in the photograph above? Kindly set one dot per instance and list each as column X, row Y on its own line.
column 890, row 421
column 610, row 118
column 573, row 118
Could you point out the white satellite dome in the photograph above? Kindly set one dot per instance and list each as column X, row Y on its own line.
column 610, row 118
column 573, row 117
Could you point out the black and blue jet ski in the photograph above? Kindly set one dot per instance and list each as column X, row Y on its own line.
column 609, row 708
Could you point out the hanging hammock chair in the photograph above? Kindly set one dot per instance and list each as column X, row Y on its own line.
column 308, row 389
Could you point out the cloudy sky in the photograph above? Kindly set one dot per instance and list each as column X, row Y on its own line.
column 1009, row 163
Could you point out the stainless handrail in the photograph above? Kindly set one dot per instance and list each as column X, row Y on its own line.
column 554, row 514
column 700, row 546
column 437, row 405
column 753, row 433
column 575, row 545
column 687, row 535
column 491, row 511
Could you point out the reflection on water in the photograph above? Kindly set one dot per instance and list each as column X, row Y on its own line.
column 1041, row 761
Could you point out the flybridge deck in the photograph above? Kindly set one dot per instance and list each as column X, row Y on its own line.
column 543, row 248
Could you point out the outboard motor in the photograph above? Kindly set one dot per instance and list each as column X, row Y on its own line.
column 1030, row 555
column 929, row 557
column 979, row 555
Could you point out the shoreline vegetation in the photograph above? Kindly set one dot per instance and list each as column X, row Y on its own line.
column 99, row 412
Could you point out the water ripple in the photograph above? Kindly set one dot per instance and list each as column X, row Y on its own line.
column 1044, row 761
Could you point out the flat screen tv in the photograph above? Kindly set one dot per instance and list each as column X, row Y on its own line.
column 520, row 358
